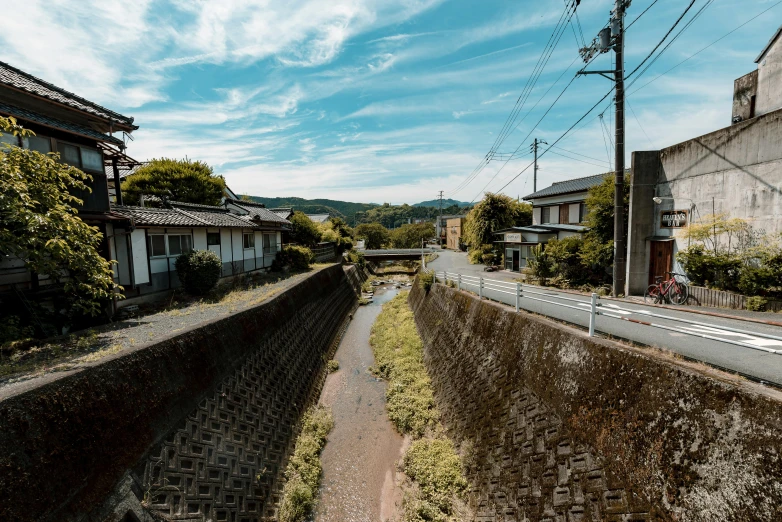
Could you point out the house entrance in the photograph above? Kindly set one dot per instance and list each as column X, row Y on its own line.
column 661, row 259
column 516, row 255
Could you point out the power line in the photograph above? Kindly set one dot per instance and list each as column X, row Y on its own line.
column 639, row 122
column 579, row 154
column 692, row 2
column 640, row 15
column 577, row 159
column 711, row 44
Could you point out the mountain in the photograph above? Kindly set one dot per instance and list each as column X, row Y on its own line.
column 344, row 209
column 446, row 203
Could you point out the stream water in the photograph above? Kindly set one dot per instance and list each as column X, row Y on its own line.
column 359, row 472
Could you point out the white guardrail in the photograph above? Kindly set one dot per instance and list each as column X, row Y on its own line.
column 523, row 292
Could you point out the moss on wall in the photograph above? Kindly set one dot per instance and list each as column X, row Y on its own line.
column 566, row 425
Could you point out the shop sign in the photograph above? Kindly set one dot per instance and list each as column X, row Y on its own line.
column 513, row 238
column 673, row 218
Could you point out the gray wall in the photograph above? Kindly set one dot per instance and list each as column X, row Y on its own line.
column 736, row 170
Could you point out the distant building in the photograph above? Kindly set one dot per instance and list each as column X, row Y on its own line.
column 441, row 224
column 454, row 228
column 736, row 170
column 558, row 211
column 319, row 218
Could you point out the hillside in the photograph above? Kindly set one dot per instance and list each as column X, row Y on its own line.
column 446, row 203
column 343, row 209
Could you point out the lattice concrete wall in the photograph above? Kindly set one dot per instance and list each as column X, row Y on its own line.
column 557, row 426
column 225, row 462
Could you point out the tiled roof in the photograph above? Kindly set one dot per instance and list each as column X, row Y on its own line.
column 18, row 79
column 318, row 218
column 175, row 217
column 73, row 128
column 569, row 186
column 258, row 212
column 196, row 206
column 245, row 203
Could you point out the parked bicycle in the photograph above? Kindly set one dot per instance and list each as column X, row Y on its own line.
column 669, row 291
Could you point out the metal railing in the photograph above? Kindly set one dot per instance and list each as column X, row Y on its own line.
column 595, row 308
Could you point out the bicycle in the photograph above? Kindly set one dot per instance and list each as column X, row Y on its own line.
column 669, row 291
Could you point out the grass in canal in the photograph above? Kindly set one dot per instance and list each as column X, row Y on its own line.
column 304, row 469
column 435, row 470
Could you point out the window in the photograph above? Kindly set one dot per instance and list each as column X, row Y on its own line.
column 269, row 243
column 157, row 246
column 582, row 212
column 38, row 143
column 249, row 240
column 8, row 139
column 178, row 244
column 69, row 154
column 91, row 159
column 545, row 215
column 213, row 238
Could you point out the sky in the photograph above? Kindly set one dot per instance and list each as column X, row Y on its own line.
column 382, row 100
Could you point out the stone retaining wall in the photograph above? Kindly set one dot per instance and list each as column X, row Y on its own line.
column 559, row 426
column 196, row 426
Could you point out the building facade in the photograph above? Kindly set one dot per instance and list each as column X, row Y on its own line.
column 736, row 171
column 453, row 229
column 558, row 212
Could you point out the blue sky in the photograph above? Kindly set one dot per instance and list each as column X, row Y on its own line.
column 377, row 100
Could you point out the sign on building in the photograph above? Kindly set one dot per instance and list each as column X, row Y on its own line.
column 513, row 238
column 673, row 218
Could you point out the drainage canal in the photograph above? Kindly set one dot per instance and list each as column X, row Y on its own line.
column 359, row 460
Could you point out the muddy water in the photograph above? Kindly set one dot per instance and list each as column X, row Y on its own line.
column 359, row 482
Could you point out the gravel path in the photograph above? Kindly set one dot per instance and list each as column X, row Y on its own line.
column 66, row 353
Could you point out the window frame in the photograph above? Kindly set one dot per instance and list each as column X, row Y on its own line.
column 545, row 215
column 272, row 248
column 79, row 148
column 212, row 234
column 166, row 243
column 251, row 235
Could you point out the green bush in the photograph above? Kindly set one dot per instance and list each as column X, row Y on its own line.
column 540, row 266
column 434, row 464
column 10, row 330
column 475, row 256
column 304, row 468
column 426, row 280
column 704, row 268
column 756, row 304
column 333, row 365
column 198, row 270
column 488, row 259
column 357, row 258
column 756, row 280
column 296, row 257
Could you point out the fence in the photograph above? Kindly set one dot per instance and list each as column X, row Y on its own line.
column 722, row 299
column 521, row 292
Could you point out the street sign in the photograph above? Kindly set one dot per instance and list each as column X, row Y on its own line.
column 673, row 218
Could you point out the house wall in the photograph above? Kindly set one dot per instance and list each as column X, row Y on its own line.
column 744, row 89
column 736, row 170
column 769, row 97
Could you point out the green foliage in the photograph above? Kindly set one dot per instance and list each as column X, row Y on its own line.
column 11, row 330
column 411, row 236
column 600, row 208
column 399, row 359
column 303, row 230
column 342, row 209
column 198, row 270
column 294, row 256
column 475, row 256
column 177, row 180
column 40, row 227
column 426, row 280
column 494, row 212
column 357, row 258
column 756, row 304
column 374, row 235
column 392, row 216
column 304, row 468
column 435, row 466
column 540, row 266
column 332, row 365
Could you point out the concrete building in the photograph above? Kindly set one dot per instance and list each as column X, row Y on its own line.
column 453, row 229
column 736, row 170
column 441, row 225
column 558, row 212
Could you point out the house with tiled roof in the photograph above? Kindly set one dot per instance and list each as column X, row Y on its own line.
column 86, row 135
column 558, row 212
column 148, row 246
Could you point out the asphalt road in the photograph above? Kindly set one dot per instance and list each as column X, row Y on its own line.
column 681, row 337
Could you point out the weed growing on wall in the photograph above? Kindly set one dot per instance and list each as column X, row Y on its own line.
column 434, row 468
column 304, row 469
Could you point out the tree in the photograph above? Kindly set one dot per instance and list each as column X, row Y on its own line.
column 410, row 236
column 177, row 180
column 374, row 235
column 597, row 251
column 494, row 212
column 303, row 230
column 39, row 224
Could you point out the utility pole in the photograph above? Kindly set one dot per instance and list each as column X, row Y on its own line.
column 534, row 148
column 612, row 37
column 440, row 220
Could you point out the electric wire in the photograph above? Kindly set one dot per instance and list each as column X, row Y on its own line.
column 577, row 159
column 579, row 154
column 640, row 15
column 639, row 122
